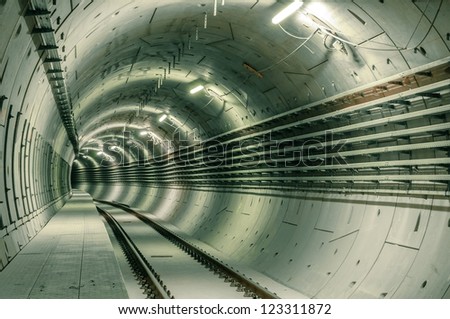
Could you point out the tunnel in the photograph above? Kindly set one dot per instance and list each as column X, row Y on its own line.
column 311, row 148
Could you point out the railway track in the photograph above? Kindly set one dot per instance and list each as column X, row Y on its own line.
column 192, row 272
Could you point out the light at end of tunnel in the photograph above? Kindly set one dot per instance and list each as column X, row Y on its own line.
column 163, row 117
column 286, row 12
column 197, row 89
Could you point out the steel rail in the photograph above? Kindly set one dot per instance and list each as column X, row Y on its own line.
column 230, row 275
column 146, row 275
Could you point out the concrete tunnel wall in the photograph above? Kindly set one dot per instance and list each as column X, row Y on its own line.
column 34, row 156
column 323, row 244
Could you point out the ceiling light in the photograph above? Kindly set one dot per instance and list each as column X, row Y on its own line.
column 100, row 153
column 197, row 89
column 163, row 117
column 143, row 133
column 286, row 12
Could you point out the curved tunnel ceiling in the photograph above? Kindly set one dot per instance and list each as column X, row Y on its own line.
column 343, row 107
column 133, row 63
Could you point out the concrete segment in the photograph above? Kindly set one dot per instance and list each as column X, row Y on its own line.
column 71, row 258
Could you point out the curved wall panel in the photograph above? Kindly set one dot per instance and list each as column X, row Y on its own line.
column 35, row 170
column 316, row 151
column 324, row 246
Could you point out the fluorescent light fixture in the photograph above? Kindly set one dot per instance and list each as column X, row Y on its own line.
column 286, row 12
column 100, row 153
column 163, row 117
column 143, row 133
column 197, row 89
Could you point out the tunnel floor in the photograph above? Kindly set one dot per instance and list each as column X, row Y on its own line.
column 76, row 256
column 71, row 258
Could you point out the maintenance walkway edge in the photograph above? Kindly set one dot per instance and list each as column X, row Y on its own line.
column 70, row 258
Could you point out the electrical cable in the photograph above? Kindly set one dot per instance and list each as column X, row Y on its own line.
column 290, row 54
column 394, row 48
column 431, row 25
column 290, row 34
column 296, row 37
column 358, row 45
column 418, row 23
column 333, row 33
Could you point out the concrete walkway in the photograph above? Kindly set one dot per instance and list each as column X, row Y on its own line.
column 71, row 258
